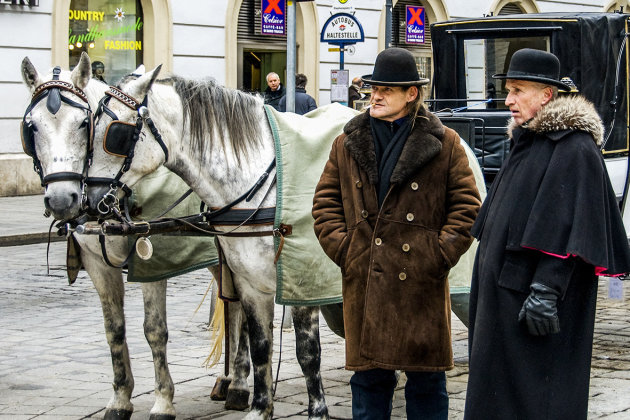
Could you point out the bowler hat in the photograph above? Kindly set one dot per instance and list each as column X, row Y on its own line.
column 534, row 66
column 395, row 67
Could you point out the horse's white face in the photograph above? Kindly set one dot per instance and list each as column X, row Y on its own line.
column 60, row 138
column 147, row 153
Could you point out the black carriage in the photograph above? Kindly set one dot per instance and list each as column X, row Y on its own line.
column 592, row 52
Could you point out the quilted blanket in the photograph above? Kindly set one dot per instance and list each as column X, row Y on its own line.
column 305, row 275
column 172, row 255
column 461, row 274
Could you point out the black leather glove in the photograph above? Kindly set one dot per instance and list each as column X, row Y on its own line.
column 540, row 310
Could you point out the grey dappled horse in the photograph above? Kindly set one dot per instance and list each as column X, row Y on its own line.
column 218, row 140
column 57, row 136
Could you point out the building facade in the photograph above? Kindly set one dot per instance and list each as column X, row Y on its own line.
column 222, row 39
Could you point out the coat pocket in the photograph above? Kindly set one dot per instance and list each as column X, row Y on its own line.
column 517, row 272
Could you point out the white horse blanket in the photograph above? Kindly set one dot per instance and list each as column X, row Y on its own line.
column 305, row 275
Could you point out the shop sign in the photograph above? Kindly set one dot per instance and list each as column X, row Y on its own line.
column 107, row 32
column 415, row 25
column 273, row 20
column 29, row 3
column 342, row 28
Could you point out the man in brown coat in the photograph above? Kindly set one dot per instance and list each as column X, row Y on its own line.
column 393, row 208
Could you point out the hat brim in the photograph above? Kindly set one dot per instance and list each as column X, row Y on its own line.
column 419, row 82
column 544, row 80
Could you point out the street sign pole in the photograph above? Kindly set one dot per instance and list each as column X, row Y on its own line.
column 388, row 23
column 290, row 82
column 341, row 49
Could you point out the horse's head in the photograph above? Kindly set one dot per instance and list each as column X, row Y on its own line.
column 57, row 132
column 128, row 144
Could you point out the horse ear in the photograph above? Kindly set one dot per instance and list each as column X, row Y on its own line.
column 30, row 76
column 140, row 70
column 143, row 84
column 82, row 73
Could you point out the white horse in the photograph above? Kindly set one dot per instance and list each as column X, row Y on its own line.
column 218, row 140
column 57, row 134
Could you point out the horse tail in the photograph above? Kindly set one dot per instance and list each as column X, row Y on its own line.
column 217, row 326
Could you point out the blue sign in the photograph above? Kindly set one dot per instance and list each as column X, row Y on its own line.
column 415, row 25
column 273, row 20
column 342, row 29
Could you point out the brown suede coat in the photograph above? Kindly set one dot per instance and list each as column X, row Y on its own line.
column 395, row 260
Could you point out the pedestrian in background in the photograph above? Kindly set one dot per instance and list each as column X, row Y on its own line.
column 303, row 101
column 549, row 226
column 393, row 208
column 98, row 71
column 275, row 90
column 354, row 91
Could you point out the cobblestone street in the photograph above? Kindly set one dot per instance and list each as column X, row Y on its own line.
column 55, row 363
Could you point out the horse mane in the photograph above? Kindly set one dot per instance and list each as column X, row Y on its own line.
column 210, row 108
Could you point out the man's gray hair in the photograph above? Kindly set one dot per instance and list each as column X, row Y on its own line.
column 272, row 73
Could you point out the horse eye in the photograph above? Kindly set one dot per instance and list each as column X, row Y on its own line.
column 83, row 124
column 33, row 127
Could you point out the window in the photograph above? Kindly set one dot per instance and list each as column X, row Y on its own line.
column 485, row 57
column 110, row 31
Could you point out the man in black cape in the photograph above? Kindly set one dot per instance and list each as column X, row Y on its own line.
column 549, row 226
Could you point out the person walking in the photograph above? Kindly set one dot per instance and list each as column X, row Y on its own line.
column 393, row 208
column 303, row 101
column 275, row 90
column 549, row 226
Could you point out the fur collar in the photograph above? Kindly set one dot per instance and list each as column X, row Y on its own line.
column 422, row 145
column 566, row 113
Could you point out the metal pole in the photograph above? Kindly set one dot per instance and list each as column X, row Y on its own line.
column 290, row 82
column 341, row 50
column 388, row 23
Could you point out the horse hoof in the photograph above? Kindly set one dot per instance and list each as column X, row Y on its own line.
column 220, row 390
column 117, row 415
column 237, row 399
column 161, row 417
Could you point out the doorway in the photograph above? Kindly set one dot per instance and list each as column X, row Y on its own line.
column 257, row 64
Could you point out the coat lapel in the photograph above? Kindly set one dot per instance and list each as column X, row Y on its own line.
column 422, row 145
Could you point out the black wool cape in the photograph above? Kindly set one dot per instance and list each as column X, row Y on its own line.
column 550, row 217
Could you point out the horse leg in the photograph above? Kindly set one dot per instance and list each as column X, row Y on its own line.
column 258, row 308
column 156, row 333
column 308, row 350
column 238, row 392
column 233, row 388
column 109, row 285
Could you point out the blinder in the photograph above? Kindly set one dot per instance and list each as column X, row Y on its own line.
column 119, row 138
column 27, row 132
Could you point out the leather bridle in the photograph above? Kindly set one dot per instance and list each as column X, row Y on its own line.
column 109, row 202
column 51, row 91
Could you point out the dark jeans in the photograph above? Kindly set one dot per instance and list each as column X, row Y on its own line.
column 425, row 395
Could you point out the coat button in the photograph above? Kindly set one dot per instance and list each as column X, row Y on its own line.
column 406, row 247
column 414, row 186
column 364, row 214
column 378, row 241
column 402, row 276
column 359, row 184
column 410, row 217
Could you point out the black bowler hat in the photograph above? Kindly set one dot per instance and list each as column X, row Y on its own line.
column 534, row 66
column 395, row 67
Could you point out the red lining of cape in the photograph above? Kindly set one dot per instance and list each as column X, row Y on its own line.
column 599, row 271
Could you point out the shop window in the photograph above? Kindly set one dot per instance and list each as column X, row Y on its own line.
column 111, row 32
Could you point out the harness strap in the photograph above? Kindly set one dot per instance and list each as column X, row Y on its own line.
column 61, row 176
column 101, row 240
